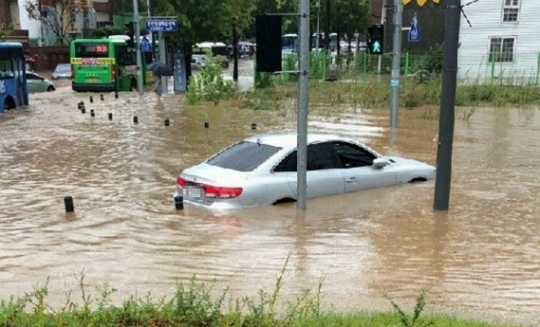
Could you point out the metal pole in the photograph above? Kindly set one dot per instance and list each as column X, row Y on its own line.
column 235, row 52
column 448, row 99
column 162, row 59
column 318, row 25
column 383, row 16
column 396, row 63
column 136, row 21
column 303, row 88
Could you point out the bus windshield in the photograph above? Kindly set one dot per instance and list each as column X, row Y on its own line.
column 91, row 50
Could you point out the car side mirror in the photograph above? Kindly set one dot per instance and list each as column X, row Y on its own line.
column 379, row 163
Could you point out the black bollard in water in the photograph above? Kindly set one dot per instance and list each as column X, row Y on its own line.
column 101, row 96
column 167, row 122
column 179, row 202
column 92, row 113
column 116, row 95
column 253, row 126
column 83, row 110
column 135, row 119
column 79, row 106
column 91, row 99
column 68, row 203
column 110, row 115
column 206, row 124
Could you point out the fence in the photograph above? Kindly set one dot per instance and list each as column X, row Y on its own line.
column 46, row 58
column 519, row 69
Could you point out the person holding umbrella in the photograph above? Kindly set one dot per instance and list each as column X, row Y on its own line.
column 159, row 70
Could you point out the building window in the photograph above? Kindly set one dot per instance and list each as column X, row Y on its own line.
column 501, row 49
column 510, row 11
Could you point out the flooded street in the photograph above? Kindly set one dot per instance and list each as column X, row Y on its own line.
column 480, row 260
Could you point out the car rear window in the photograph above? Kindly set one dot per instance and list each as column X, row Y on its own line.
column 243, row 156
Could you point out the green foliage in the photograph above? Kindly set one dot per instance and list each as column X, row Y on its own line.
column 107, row 31
column 414, row 319
column 5, row 30
column 209, row 84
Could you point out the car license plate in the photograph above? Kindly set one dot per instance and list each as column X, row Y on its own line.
column 193, row 193
column 92, row 80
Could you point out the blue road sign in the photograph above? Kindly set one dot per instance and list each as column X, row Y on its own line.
column 162, row 25
column 414, row 32
column 145, row 45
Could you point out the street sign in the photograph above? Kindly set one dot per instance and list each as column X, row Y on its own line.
column 145, row 45
column 162, row 25
column 414, row 31
column 421, row 3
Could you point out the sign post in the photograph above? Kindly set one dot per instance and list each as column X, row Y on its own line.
column 414, row 31
column 160, row 25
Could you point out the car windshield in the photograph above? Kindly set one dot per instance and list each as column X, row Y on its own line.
column 243, row 156
column 63, row 68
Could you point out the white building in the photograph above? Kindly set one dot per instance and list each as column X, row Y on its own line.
column 503, row 44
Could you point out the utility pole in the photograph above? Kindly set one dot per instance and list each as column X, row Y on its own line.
column 448, row 99
column 396, row 63
column 303, row 89
column 136, row 21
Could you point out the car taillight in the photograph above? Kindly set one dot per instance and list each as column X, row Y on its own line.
column 221, row 192
column 71, row 72
column 113, row 72
column 211, row 191
column 181, row 182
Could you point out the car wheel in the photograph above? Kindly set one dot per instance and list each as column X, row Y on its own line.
column 50, row 88
column 133, row 85
column 417, row 180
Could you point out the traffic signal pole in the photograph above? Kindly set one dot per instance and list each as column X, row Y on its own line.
column 448, row 99
column 396, row 63
column 383, row 18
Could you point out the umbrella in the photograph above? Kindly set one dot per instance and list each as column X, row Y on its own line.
column 160, row 69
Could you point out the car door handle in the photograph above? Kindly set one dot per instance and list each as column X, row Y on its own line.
column 352, row 180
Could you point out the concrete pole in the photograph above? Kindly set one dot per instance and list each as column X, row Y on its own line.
column 136, row 20
column 396, row 63
column 163, row 60
column 448, row 99
column 303, row 98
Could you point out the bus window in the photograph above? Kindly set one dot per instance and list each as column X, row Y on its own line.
column 92, row 50
column 6, row 69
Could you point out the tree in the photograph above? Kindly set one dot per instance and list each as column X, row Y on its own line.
column 5, row 30
column 59, row 17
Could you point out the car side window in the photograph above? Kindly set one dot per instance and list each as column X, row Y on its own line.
column 352, row 155
column 31, row 77
column 320, row 156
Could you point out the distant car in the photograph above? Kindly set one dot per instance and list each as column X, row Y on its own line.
column 62, row 71
column 261, row 170
column 37, row 83
column 198, row 62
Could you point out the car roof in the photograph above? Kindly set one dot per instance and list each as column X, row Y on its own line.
column 288, row 139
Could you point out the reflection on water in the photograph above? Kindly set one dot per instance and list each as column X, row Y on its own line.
column 480, row 259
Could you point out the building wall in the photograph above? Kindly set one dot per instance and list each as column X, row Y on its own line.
column 486, row 21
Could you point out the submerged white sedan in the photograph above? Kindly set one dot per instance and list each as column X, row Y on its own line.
column 261, row 170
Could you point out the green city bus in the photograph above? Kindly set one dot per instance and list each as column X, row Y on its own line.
column 101, row 65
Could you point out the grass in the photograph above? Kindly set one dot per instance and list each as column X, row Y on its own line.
column 193, row 305
column 368, row 91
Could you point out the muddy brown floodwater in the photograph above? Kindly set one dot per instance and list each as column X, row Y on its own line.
column 479, row 260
